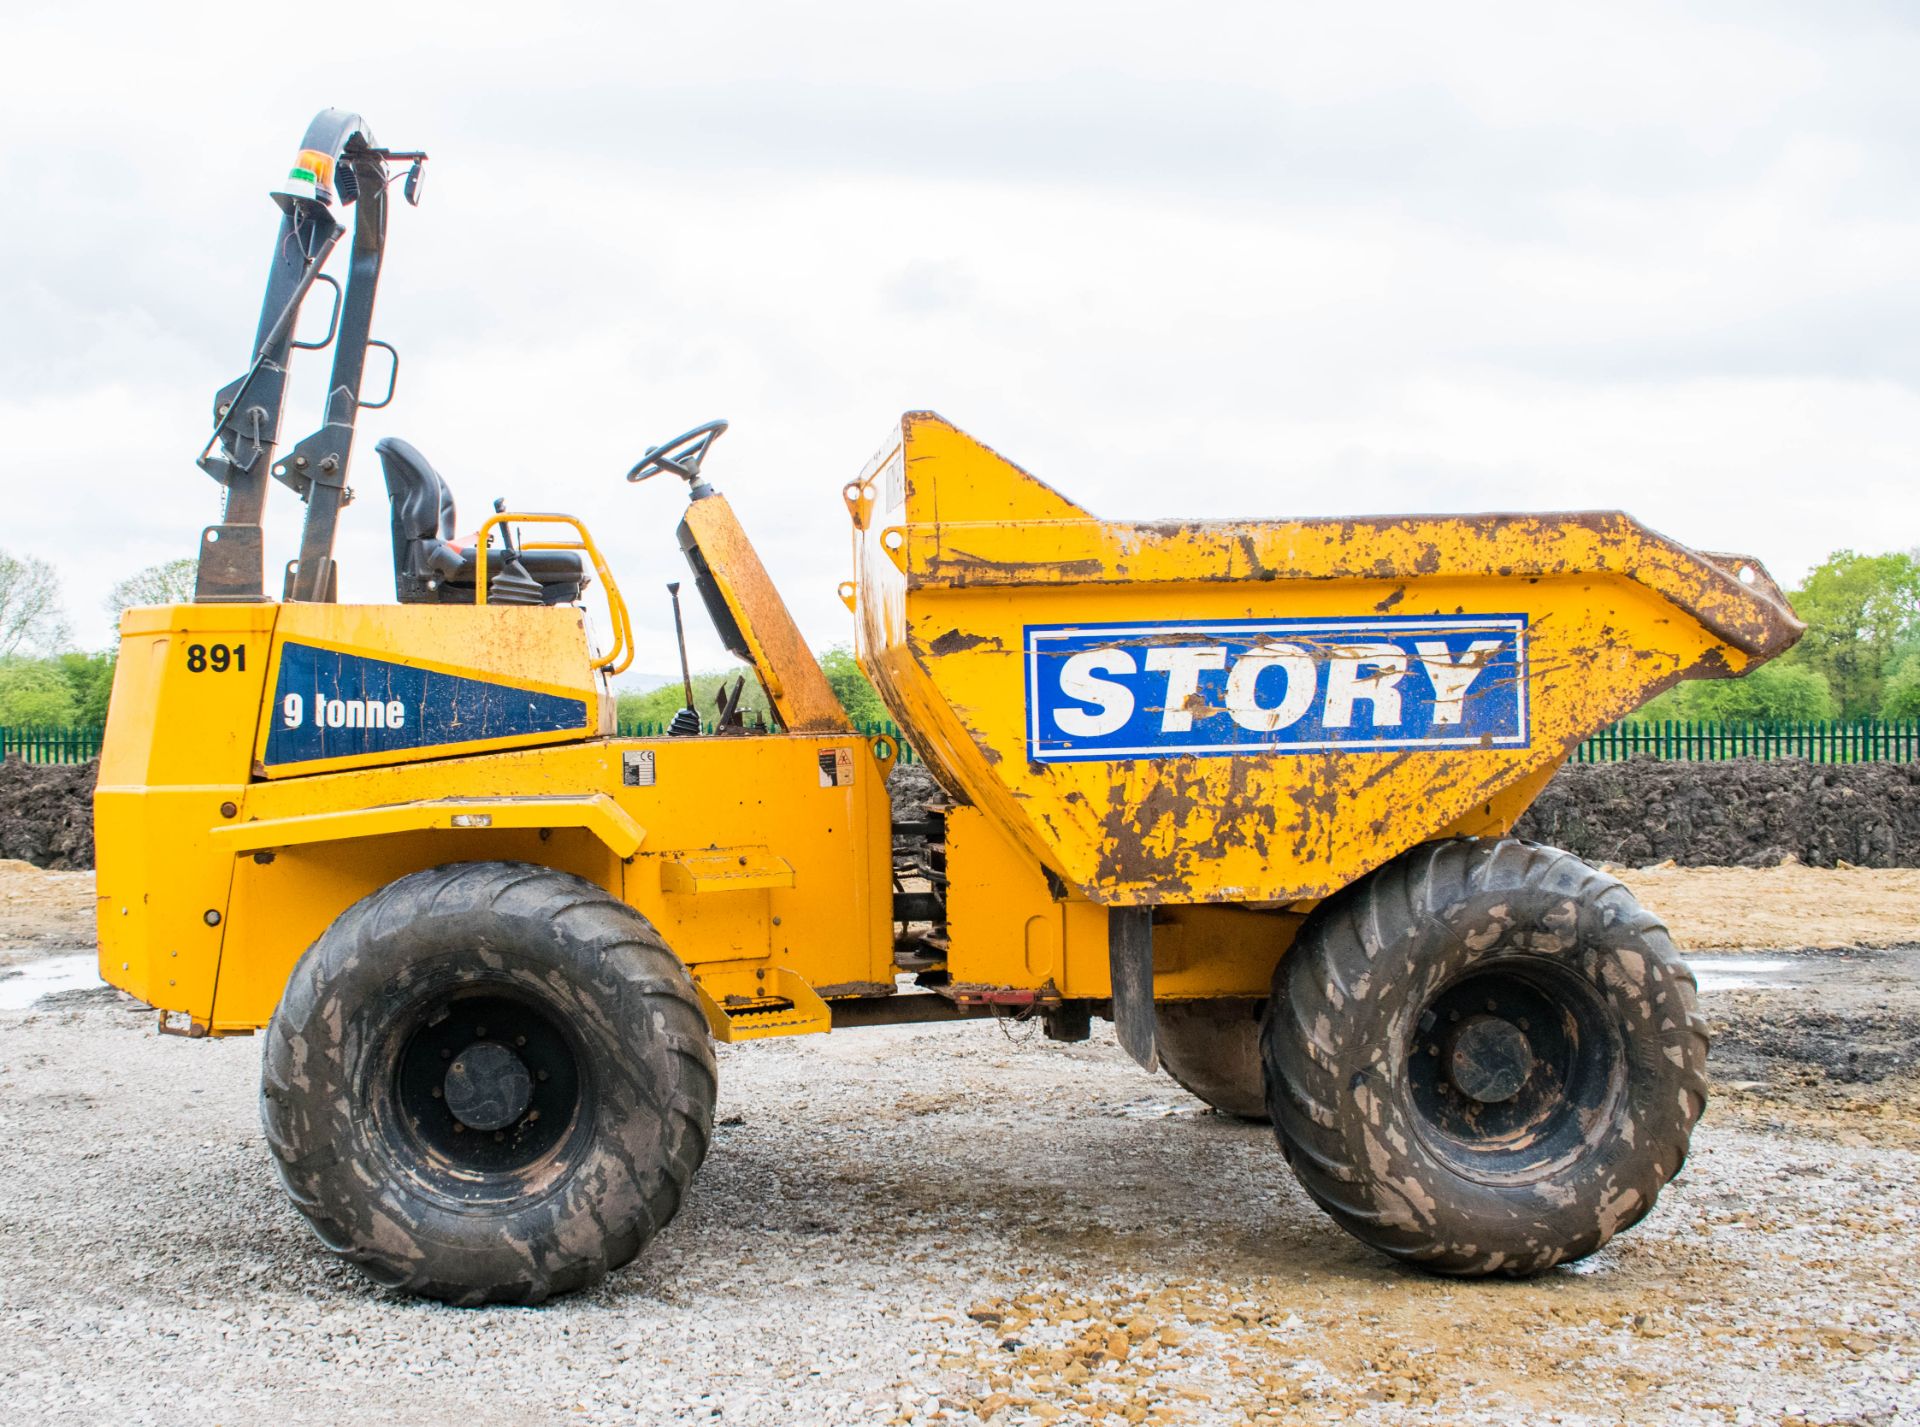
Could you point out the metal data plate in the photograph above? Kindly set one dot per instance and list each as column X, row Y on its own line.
column 636, row 768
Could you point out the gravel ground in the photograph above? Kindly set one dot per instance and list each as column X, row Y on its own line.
column 970, row 1223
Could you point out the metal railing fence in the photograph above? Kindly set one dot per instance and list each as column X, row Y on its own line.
column 1676, row 740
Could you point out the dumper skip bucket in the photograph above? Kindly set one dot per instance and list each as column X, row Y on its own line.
column 1260, row 711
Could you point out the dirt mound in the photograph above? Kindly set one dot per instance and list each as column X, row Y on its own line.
column 1741, row 813
column 46, row 813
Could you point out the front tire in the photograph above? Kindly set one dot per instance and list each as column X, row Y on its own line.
column 1484, row 1058
column 488, row 1083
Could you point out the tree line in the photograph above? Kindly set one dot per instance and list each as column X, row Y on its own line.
column 658, row 706
column 1859, row 659
column 45, row 679
column 1860, row 656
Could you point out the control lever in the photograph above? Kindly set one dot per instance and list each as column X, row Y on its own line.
column 513, row 585
column 686, row 723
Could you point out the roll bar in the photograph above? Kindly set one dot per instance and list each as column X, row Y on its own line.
column 338, row 163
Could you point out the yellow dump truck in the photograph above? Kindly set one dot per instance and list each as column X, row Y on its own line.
column 1243, row 788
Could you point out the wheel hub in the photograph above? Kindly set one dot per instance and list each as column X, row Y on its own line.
column 1511, row 1066
column 1489, row 1059
column 487, row 1086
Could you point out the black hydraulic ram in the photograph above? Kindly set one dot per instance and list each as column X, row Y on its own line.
column 338, row 164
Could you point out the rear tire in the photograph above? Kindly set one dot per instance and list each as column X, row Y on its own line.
column 1484, row 1058
column 488, row 1083
column 1212, row 1048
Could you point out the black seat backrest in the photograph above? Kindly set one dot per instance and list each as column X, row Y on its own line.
column 423, row 522
column 429, row 569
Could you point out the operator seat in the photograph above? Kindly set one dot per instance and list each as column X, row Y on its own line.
column 428, row 568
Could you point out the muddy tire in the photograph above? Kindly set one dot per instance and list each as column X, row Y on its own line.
column 1212, row 1048
column 488, row 1083
column 1484, row 1058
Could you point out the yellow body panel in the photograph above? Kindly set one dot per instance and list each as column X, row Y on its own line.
column 217, row 870
column 1010, row 934
column 595, row 813
column 959, row 552
column 828, row 915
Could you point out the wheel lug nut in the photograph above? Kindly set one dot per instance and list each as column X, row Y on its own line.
column 543, row 1075
column 446, row 1055
column 519, row 1040
column 479, row 1031
column 436, row 1092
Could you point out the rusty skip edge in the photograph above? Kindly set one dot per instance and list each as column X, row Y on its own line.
column 1750, row 614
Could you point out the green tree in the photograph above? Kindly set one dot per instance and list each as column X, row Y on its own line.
column 90, row 677
column 1900, row 694
column 657, row 706
column 35, row 692
column 1772, row 692
column 32, row 620
column 170, row 582
column 1860, row 612
column 850, row 686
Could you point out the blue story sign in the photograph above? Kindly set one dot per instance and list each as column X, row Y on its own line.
column 332, row 704
column 1263, row 686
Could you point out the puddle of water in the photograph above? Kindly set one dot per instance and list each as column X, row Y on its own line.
column 1741, row 973
column 46, row 976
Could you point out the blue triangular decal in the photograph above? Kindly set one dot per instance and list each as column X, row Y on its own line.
column 329, row 704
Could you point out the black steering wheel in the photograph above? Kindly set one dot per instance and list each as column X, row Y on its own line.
column 682, row 455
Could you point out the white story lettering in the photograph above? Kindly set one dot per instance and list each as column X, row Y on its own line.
column 1356, row 673
column 343, row 713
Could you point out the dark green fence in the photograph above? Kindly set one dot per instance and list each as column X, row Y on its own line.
column 50, row 745
column 1826, row 741
column 1830, row 741
column 1863, row 741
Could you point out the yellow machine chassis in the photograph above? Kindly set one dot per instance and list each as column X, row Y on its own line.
column 765, row 861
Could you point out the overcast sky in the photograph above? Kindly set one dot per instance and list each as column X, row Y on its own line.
column 1199, row 260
